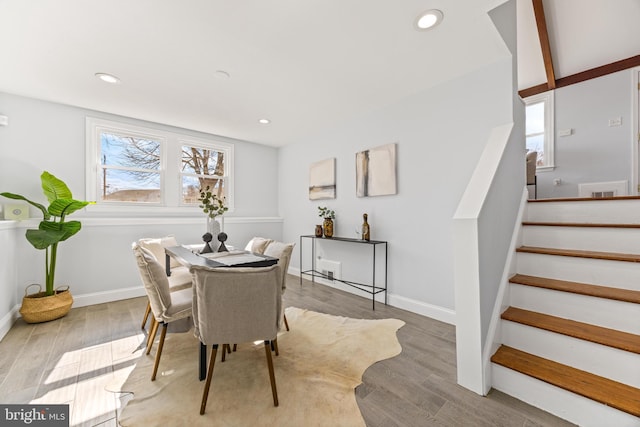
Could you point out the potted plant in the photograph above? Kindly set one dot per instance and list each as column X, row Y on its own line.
column 53, row 229
column 327, row 225
column 212, row 205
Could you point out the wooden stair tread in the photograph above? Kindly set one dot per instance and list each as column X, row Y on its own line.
column 617, row 395
column 597, row 334
column 579, row 224
column 612, row 256
column 626, row 295
column 583, row 199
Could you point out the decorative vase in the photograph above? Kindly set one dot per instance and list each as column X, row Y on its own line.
column 213, row 227
column 318, row 230
column 366, row 231
column 328, row 227
column 38, row 308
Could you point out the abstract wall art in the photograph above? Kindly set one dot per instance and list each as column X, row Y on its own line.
column 376, row 171
column 322, row 179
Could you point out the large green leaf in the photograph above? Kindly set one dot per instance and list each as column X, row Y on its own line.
column 65, row 206
column 19, row 197
column 42, row 239
column 67, row 229
column 54, row 188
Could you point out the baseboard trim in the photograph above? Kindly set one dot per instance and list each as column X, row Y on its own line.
column 418, row 307
column 108, row 296
column 8, row 320
column 78, row 301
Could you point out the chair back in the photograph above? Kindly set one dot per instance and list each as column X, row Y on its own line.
column 282, row 251
column 532, row 159
column 257, row 245
column 155, row 280
column 234, row 305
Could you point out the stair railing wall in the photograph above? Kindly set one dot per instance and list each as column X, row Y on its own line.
column 484, row 225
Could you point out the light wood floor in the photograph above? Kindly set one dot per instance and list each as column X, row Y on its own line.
column 72, row 360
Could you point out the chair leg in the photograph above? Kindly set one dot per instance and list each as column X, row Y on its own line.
column 286, row 324
column 146, row 315
column 272, row 378
column 207, row 384
column 235, row 347
column 275, row 346
column 152, row 334
column 224, row 352
column 159, row 353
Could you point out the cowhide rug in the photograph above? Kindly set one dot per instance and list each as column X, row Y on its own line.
column 321, row 362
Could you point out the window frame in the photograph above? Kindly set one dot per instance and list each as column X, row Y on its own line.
column 170, row 168
column 548, row 99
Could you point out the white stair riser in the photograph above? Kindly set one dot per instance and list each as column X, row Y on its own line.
column 619, row 315
column 618, row 365
column 584, row 238
column 564, row 404
column 618, row 274
column 610, row 211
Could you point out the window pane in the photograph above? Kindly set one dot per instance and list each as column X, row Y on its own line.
column 535, row 118
column 130, row 186
column 129, row 152
column 201, row 161
column 191, row 186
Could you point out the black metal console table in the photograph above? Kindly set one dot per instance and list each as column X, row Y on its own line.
column 371, row 289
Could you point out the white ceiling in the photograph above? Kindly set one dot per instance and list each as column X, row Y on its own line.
column 305, row 65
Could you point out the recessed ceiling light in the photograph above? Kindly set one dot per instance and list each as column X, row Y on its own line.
column 221, row 74
column 109, row 78
column 264, row 121
column 429, row 19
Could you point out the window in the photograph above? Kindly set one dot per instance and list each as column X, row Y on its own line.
column 539, row 128
column 202, row 168
column 131, row 168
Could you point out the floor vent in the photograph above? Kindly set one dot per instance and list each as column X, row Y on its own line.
column 603, row 190
column 602, row 194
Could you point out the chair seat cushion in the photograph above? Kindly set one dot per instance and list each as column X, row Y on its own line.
column 180, row 278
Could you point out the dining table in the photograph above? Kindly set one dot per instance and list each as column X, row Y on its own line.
column 189, row 255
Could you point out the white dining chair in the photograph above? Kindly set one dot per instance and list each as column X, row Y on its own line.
column 236, row 305
column 166, row 306
column 282, row 251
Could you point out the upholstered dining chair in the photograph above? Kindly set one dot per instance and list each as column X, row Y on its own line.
column 282, row 251
column 236, row 305
column 257, row 244
column 166, row 306
column 532, row 178
column 180, row 277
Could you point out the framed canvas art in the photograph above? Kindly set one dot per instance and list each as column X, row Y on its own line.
column 376, row 171
column 322, row 179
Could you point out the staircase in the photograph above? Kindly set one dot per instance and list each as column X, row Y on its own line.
column 571, row 334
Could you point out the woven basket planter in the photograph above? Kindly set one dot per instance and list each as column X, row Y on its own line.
column 38, row 308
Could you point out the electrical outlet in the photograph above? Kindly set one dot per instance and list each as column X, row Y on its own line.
column 565, row 132
column 616, row 121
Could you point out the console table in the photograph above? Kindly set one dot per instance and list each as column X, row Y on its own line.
column 372, row 288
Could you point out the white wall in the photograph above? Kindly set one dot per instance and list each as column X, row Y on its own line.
column 595, row 152
column 440, row 133
column 97, row 263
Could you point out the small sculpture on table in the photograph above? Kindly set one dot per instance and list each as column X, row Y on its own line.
column 222, row 237
column 206, row 238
